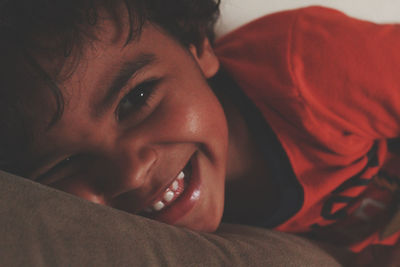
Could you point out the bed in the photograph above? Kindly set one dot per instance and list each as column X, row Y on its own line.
column 41, row 226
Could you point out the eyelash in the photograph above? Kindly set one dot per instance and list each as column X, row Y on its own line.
column 47, row 178
column 139, row 97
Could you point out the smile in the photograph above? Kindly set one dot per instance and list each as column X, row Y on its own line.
column 180, row 196
column 172, row 193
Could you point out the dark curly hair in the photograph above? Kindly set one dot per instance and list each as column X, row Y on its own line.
column 33, row 31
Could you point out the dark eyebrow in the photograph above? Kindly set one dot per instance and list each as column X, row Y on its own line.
column 125, row 73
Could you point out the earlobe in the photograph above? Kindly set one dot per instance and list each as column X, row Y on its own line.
column 205, row 58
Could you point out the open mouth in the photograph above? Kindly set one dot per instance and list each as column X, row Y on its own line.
column 173, row 192
column 185, row 194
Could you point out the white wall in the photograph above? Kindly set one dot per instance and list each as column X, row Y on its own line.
column 236, row 12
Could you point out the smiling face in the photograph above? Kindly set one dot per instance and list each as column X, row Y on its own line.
column 141, row 131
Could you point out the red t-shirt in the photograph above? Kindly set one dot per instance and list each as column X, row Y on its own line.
column 329, row 87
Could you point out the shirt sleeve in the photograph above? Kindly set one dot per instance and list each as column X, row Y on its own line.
column 347, row 71
column 322, row 70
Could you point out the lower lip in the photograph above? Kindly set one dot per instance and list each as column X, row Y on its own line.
column 186, row 201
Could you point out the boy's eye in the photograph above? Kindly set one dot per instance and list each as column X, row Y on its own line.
column 135, row 99
column 54, row 173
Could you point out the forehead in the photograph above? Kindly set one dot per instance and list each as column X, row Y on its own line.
column 103, row 59
column 116, row 39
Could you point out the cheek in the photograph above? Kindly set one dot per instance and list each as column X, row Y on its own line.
column 209, row 119
column 192, row 116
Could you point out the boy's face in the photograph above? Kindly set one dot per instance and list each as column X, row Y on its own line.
column 136, row 120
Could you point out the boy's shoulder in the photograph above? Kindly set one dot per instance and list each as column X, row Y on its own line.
column 266, row 50
column 283, row 22
column 311, row 61
column 290, row 50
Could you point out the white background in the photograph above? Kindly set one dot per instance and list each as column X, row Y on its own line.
column 237, row 12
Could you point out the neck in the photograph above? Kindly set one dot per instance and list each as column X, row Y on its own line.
column 249, row 191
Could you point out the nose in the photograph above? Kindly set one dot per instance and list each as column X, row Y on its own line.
column 133, row 169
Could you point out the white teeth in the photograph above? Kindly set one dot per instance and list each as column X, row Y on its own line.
column 175, row 185
column 168, row 196
column 181, row 175
column 158, row 206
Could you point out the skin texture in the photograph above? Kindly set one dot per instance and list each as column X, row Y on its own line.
column 125, row 151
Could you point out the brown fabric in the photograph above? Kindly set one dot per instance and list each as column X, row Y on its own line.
column 40, row 226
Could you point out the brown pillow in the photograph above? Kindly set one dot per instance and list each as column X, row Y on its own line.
column 40, row 226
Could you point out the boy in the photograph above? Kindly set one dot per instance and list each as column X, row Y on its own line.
column 115, row 106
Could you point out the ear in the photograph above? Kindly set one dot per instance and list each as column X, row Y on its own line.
column 205, row 58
